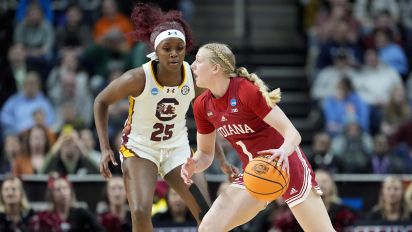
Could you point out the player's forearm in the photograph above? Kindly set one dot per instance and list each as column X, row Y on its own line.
column 219, row 154
column 101, row 121
column 292, row 139
column 202, row 160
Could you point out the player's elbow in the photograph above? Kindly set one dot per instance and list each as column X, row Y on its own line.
column 99, row 102
column 295, row 136
column 298, row 137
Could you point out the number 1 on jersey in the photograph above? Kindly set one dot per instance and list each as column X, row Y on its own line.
column 244, row 149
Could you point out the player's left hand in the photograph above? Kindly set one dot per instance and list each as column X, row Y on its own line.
column 187, row 170
column 277, row 153
column 231, row 171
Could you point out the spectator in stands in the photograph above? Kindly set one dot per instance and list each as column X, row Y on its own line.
column 342, row 39
column 119, row 110
column 328, row 20
column 389, row 52
column 384, row 161
column 23, row 9
column 37, row 36
column 324, row 84
column 344, row 107
column 340, row 215
column 113, row 50
column 74, row 34
column 391, row 206
column 89, row 144
column 36, row 143
column 6, row 29
column 354, row 148
column 15, row 211
column 12, row 149
column 365, row 11
column 159, row 197
column 67, row 156
column 374, row 84
column 409, row 88
column 17, row 64
column 10, row 67
column 406, row 22
column 68, row 116
column 117, row 218
column 63, row 214
column 396, row 111
column 408, row 196
column 321, row 156
column 176, row 214
column 112, row 19
column 402, row 141
column 17, row 112
column 68, row 83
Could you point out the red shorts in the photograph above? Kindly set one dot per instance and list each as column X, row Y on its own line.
column 302, row 179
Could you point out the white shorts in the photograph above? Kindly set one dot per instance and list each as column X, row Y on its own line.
column 166, row 159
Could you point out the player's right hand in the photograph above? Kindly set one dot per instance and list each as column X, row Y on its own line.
column 187, row 170
column 107, row 155
column 231, row 171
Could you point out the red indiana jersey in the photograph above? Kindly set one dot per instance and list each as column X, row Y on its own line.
column 238, row 117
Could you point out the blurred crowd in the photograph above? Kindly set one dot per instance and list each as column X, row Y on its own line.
column 359, row 64
column 55, row 56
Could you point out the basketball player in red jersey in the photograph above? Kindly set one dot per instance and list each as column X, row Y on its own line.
column 155, row 137
column 239, row 106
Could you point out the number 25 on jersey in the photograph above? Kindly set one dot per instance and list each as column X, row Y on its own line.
column 162, row 132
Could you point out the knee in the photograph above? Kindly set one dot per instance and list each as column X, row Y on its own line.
column 141, row 213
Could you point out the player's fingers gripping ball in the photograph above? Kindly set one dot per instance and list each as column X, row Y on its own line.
column 265, row 180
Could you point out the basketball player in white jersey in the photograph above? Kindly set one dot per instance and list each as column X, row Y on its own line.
column 155, row 139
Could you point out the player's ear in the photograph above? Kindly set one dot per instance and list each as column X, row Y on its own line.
column 216, row 68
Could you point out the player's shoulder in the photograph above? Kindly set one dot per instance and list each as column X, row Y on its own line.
column 245, row 88
column 135, row 75
column 202, row 98
column 245, row 83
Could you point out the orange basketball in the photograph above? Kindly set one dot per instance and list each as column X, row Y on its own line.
column 264, row 180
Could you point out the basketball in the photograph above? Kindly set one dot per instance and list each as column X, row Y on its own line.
column 264, row 180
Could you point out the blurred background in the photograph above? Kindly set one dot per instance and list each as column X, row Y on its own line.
column 343, row 67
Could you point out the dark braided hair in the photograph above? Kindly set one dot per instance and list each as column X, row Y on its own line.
column 150, row 21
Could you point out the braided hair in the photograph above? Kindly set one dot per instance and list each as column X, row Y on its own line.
column 222, row 55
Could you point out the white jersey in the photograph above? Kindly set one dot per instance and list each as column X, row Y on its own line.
column 157, row 117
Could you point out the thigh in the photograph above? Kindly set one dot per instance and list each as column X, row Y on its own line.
column 312, row 214
column 140, row 177
column 234, row 207
column 175, row 181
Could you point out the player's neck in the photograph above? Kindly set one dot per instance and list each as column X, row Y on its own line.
column 168, row 78
column 220, row 87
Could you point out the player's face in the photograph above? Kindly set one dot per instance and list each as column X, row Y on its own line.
column 171, row 53
column 202, row 68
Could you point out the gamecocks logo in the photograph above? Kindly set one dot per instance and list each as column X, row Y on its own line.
column 166, row 109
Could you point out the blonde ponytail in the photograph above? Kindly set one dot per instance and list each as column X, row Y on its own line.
column 221, row 54
column 272, row 97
